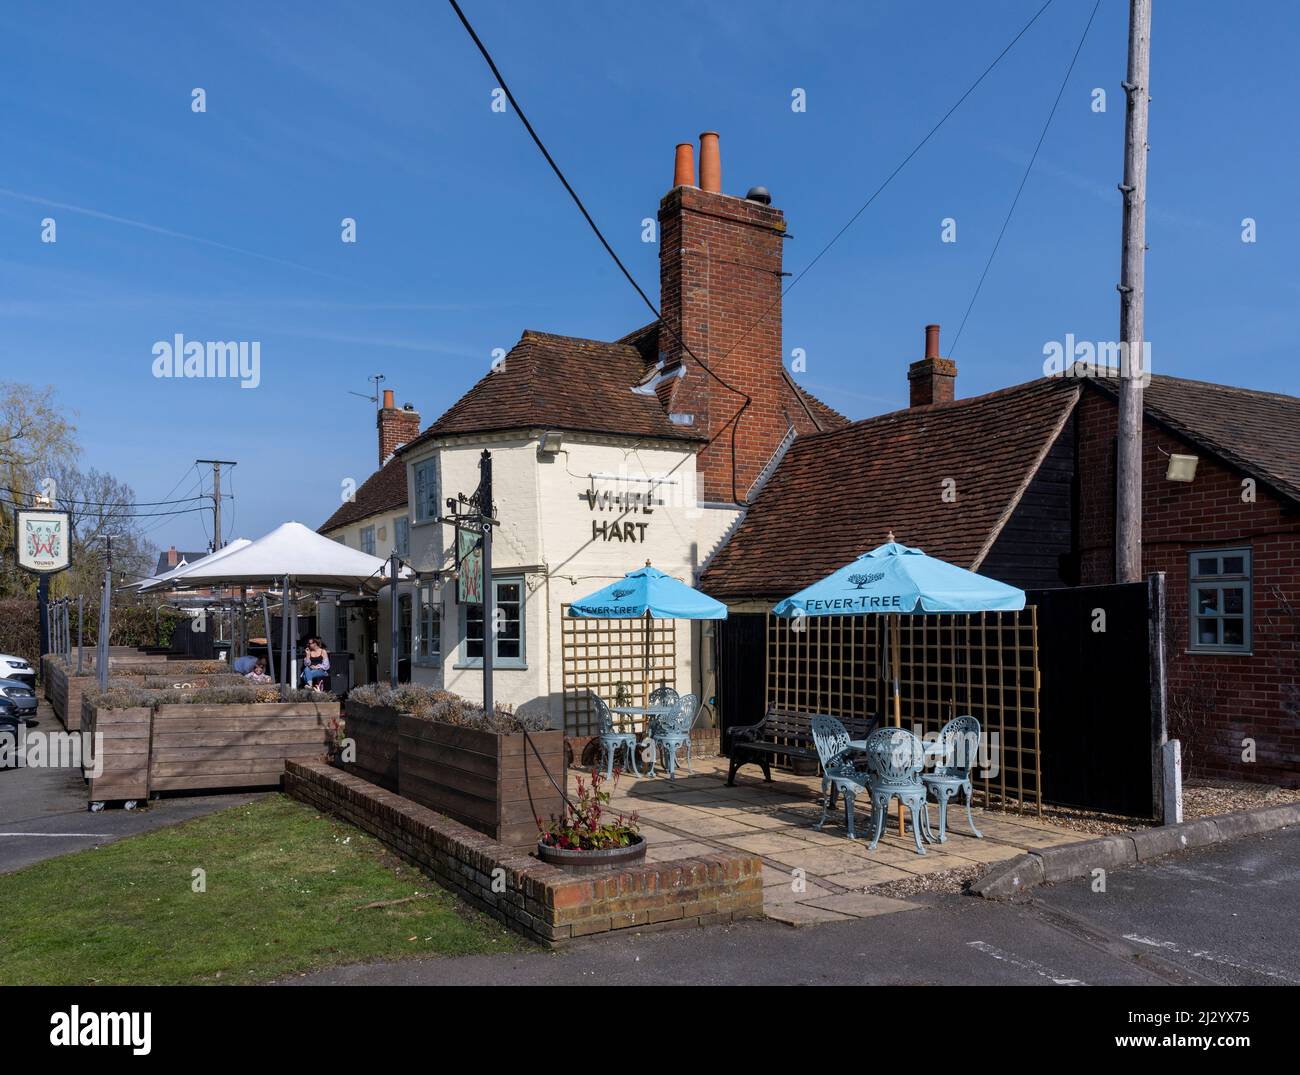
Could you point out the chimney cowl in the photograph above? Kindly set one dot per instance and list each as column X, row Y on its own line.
column 388, row 399
column 760, row 195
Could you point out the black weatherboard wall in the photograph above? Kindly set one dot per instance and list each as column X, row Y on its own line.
column 1038, row 546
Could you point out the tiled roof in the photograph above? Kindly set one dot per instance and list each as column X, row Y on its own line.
column 646, row 341
column 838, row 494
column 562, row 382
column 1257, row 432
column 384, row 490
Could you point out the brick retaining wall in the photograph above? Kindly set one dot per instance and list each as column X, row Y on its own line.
column 543, row 902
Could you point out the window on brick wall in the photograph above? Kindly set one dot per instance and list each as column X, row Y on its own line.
column 1219, row 606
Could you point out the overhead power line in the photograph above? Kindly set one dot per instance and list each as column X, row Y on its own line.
column 734, row 422
column 952, row 350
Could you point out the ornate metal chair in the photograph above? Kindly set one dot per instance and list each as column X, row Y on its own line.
column 895, row 758
column 663, row 696
column 831, row 739
column 612, row 741
column 672, row 731
column 959, row 745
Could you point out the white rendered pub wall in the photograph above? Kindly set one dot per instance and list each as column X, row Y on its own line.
column 558, row 526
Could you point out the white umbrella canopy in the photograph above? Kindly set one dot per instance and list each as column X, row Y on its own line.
column 167, row 576
column 292, row 549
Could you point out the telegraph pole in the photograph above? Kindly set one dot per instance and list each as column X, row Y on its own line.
column 217, row 464
column 1128, row 490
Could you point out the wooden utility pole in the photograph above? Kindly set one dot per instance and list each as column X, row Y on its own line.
column 1128, row 486
column 217, row 464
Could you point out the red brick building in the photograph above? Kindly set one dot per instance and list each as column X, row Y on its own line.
column 1019, row 485
column 1229, row 543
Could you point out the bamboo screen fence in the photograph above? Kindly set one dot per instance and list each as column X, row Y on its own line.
column 984, row 664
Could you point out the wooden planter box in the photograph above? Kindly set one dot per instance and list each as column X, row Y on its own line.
column 234, row 746
column 373, row 730
column 122, row 750
column 181, row 747
column 493, row 783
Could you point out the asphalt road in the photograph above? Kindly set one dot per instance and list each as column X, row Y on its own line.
column 43, row 811
column 1219, row 915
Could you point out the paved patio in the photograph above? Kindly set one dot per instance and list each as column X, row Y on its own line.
column 698, row 813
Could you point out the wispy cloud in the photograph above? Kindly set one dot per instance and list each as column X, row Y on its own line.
column 169, row 232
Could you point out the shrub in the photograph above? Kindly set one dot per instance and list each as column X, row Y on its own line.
column 120, row 696
column 428, row 703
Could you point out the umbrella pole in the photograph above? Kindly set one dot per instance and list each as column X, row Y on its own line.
column 645, row 666
column 895, row 663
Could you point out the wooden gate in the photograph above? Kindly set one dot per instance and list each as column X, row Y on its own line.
column 1099, row 725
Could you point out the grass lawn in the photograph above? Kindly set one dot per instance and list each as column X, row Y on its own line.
column 287, row 890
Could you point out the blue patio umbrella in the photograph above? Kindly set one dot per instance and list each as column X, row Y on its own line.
column 647, row 594
column 896, row 580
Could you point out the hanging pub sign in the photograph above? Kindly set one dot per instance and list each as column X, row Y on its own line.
column 41, row 540
column 469, row 567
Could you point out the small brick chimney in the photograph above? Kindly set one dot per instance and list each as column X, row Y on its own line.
column 933, row 379
column 396, row 427
column 720, row 295
column 173, row 557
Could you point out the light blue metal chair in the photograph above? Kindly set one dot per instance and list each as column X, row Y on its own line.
column 663, row 696
column 958, row 748
column 831, row 739
column 612, row 741
column 672, row 731
column 895, row 758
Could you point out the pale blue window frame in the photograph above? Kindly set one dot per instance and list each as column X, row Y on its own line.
column 511, row 595
column 1219, row 605
column 426, row 490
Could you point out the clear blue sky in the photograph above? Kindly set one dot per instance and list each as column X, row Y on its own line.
column 225, row 225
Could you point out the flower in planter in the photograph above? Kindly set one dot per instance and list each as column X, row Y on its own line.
column 584, row 825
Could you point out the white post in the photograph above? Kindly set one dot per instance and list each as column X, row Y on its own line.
column 1173, row 785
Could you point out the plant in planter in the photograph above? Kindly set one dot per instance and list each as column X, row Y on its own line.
column 587, row 834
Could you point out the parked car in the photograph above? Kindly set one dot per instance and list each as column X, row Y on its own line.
column 12, row 667
column 10, row 722
column 20, row 695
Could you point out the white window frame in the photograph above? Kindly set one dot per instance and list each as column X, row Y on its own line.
column 420, row 479
column 402, row 536
column 1219, row 582
column 466, row 661
column 367, row 540
column 427, row 627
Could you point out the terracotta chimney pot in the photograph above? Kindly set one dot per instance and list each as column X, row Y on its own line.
column 710, row 162
column 684, row 166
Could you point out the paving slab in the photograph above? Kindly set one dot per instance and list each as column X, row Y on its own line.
column 861, row 904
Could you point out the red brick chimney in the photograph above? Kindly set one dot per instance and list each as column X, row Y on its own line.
column 720, row 295
column 173, row 557
column 396, row 427
column 933, row 379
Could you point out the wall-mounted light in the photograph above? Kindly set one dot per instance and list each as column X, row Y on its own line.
column 1182, row 468
column 550, row 443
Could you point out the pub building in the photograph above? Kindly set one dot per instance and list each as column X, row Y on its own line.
column 687, row 444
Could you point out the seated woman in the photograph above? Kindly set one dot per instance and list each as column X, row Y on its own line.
column 316, row 665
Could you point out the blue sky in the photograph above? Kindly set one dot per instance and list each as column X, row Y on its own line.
column 226, row 225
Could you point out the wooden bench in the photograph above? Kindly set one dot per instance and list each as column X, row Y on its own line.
column 783, row 733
